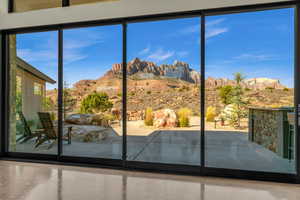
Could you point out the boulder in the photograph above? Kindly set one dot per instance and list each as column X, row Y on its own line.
column 79, row 119
column 89, row 133
column 88, row 119
column 165, row 118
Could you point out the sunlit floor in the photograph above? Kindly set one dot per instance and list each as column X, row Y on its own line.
column 223, row 149
column 28, row 181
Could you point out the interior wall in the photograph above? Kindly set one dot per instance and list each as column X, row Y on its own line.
column 109, row 10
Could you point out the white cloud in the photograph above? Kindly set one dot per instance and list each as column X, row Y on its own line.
column 255, row 57
column 215, row 32
column 74, row 46
column 30, row 55
column 214, row 28
column 190, row 29
column 182, row 53
column 214, row 22
column 161, row 55
column 145, row 51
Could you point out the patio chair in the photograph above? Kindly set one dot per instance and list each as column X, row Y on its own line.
column 49, row 131
column 27, row 133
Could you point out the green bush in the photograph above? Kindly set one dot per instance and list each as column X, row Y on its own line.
column 96, row 102
column 211, row 114
column 131, row 93
column 271, row 89
column 226, row 94
column 148, row 117
column 184, row 115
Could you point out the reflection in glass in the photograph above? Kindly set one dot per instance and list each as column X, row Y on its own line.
column 77, row 2
column 27, row 5
column 249, row 98
column 163, row 92
column 33, row 91
column 92, row 93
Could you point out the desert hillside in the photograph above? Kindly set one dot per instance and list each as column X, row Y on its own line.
column 174, row 86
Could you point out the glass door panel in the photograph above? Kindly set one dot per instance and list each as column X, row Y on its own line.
column 92, row 92
column 249, row 91
column 33, row 92
column 163, row 92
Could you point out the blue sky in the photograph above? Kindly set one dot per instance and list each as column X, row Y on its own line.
column 258, row 44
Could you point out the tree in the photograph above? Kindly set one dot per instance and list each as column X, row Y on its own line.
column 238, row 100
column 68, row 100
column 238, row 77
column 226, row 93
column 96, row 102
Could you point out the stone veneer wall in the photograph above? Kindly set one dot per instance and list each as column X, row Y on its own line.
column 267, row 128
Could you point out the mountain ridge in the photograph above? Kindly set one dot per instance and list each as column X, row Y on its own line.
column 182, row 71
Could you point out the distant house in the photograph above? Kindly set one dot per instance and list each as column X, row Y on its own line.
column 31, row 86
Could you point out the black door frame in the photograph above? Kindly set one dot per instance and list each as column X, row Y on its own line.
column 145, row 166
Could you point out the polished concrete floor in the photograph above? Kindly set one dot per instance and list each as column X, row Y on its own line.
column 223, row 149
column 28, row 181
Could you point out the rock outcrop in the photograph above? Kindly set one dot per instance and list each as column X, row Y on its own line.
column 178, row 70
column 182, row 71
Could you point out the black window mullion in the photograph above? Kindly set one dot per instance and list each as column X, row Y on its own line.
column 297, row 88
column 202, row 90
column 10, row 6
column 2, row 108
column 60, row 92
column 124, row 94
column 65, row 3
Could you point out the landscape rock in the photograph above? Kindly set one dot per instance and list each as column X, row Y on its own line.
column 79, row 119
column 165, row 118
column 89, row 133
column 88, row 119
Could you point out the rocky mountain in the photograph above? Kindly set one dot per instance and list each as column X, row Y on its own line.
column 253, row 83
column 182, row 71
column 147, row 70
column 172, row 86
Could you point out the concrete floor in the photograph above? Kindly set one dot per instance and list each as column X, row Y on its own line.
column 224, row 149
column 28, row 181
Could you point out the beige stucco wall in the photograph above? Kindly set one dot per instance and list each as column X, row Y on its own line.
column 109, row 10
column 31, row 103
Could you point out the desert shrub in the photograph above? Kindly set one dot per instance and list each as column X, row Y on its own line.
column 131, row 93
column 184, row 115
column 148, row 92
column 96, row 102
column 271, row 89
column 226, row 94
column 184, row 88
column 286, row 89
column 211, row 113
column 148, row 117
column 247, row 89
column 119, row 94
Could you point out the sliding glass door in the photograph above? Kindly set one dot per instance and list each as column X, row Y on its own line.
column 92, row 92
column 163, row 91
column 72, row 83
column 249, row 90
column 33, row 75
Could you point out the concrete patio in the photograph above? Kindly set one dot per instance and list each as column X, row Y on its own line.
column 224, row 149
